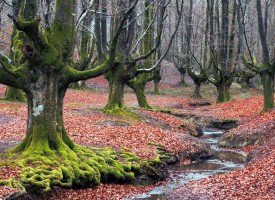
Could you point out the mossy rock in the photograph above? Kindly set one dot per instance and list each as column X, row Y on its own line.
column 225, row 124
column 165, row 156
column 152, row 173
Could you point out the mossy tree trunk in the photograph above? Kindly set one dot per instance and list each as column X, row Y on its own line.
column 223, row 90
column 266, row 68
column 267, row 81
column 198, row 78
column 156, row 86
column 157, row 79
column 140, row 93
column 138, row 85
column 45, row 132
column 116, row 79
column 15, row 94
column 196, row 93
column 118, row 76
column 139, row 82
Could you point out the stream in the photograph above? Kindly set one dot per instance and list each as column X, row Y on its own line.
column 222, row 162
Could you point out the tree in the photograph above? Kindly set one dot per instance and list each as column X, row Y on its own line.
column 139, row 82
column 197, row 77
column 126, row 69
column 47, row 156
column 222, row 50
column 266, row 68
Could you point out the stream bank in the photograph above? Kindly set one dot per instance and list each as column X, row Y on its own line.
column 223, row 161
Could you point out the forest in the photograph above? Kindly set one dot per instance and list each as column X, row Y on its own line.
column 137, row 99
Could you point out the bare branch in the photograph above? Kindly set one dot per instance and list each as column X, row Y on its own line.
column 7, row 3
column 169, row 44
column 75, row 75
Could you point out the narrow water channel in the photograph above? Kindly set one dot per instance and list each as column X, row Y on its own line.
column 223, row 161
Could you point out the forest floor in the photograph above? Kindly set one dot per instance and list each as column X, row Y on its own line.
column 87, row 125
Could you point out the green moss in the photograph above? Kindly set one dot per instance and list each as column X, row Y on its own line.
column 15, row 95
column 78, row 167
column 122, row 112
column 51, row 56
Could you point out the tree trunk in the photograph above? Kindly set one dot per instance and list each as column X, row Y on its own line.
column 156, row 86
column 140, row 93
column 267, row 81
column 45, row 131
column 116, row 93
column 223, row 92
column 15, row 94
column 196, row 93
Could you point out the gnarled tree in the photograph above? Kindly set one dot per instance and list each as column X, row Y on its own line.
column 47, row 156
column 126, row 66
column 266, row 68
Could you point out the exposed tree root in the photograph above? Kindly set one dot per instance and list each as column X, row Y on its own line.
column 80, row 167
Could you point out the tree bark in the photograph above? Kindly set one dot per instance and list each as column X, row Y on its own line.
column 45, row 124
column 140, row 93
column 156, row 86
column 116, row 89
column 223, row 90
column 196, row 93
column 267, row 81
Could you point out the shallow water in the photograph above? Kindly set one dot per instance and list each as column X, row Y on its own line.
column 223, row 161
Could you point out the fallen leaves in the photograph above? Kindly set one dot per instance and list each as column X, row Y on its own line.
column 256, row 181
column 82, row 119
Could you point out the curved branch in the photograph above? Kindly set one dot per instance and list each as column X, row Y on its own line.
column 6, row 65
column 250, row 65
column 16, row 78
column 75, row 75
column 202, row 70
column 7, row 3
column 31, row 28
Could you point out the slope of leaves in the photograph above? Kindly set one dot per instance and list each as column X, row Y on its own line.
column 240, row 109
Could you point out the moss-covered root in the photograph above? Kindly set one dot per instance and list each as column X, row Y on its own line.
column 85, row 167
column 80, row 167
